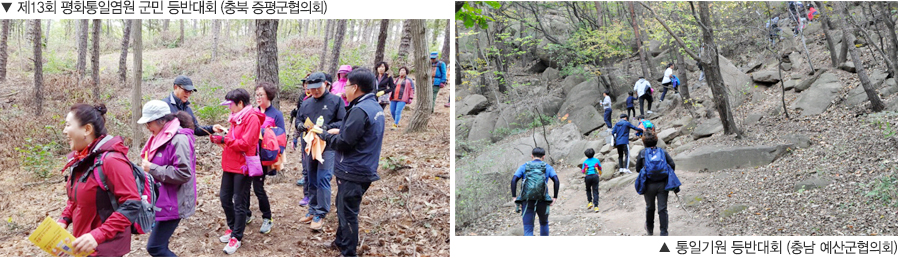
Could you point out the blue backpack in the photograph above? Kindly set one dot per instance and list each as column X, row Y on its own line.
column 656, row 167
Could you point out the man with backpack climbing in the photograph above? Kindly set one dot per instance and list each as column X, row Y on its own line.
column 644, row 93
column 621, row 133
column 438, row 69
column 656, row 178
column 534, row 199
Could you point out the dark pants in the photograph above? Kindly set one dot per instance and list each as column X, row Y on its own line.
column 623, row 155
column 234, row 201
column 608, row 117
column 592, row 189
column 305, row 171
column 631, row 109
column 540, row 209
column 157, row 244
column 320, row 179
column 258, row 186
column 655, row 190
column 349, row 199
column 645, row 98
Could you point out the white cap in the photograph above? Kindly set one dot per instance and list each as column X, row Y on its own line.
column 153, row 110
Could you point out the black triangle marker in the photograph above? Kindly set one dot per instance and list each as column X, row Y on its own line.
column 664, row 249
column 6, row 6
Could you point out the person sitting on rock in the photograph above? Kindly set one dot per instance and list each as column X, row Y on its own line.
column 621, row 133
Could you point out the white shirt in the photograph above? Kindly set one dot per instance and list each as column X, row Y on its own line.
column 641, row 87
column 606, row 103
column 667, row 74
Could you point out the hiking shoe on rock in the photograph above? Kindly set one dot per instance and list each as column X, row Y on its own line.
column 224, row 238
column 232, row 246
column 650, row 112
column 300, row 182
column 249, row 219
column 304, row 201
column 317, row 223
column 589, row 206
column 266, row 226
column 596, row 209
column 306, row 219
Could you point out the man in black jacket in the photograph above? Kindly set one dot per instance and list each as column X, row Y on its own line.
column 358, row 143
column 178, row 101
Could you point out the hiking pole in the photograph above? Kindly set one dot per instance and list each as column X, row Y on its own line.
column 683, row 206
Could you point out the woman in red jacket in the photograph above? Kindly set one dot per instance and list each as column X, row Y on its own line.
column 239, row 144
column 96, row 226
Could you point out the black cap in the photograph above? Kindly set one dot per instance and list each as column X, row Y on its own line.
column 623, row 115
column 315, row 80
column 185, row 83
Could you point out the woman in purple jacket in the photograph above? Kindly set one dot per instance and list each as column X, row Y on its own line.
column 169, row 157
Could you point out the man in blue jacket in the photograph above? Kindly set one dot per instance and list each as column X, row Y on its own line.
column 536, row 208
column 621, row 134
column 178, row 100
column 439, row 74
column 358, row 144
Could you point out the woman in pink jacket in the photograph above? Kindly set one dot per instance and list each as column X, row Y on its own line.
column 337, row 88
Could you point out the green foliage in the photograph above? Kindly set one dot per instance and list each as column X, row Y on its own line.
column 149, row 70
column 57, row 64
column 393, row 163
column 471, row 15
column 598, row 45
column 294, row 67
column 211, row 113
column 40, row 159
column 884, row 190
column 882, row 122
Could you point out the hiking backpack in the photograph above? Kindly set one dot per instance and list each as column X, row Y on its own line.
column 656, row 167
column 534, row 187
column 143, row 219
column 648, row 125
column 272, row 142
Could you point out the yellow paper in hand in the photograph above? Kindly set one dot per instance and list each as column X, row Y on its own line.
column 54, row 239
column 308, row 123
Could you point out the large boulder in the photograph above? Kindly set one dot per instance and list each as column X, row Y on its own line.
column 707, row 128
column 570, row 81
column 668, row 134
column 812, row 29
column 471, row 105
column 570, row 91
column 789, row 84
column 655, row 48
column 819, row 96
column 483, row 126
column 889, row 87
column 768, row 77
column 848, row 66
column 550, row 75
column 796, row 59
column 563, row 139
column 804, row 85
column 463, row 127
column 587, row 119
column 735, row 80
column 575, row 155
column 586, row 93
column 858, row 95
column 714, row 158
column 522, row 116
column 685, row 120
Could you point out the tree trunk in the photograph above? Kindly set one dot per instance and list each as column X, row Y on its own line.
column 715, row 78
column 95, row 58
column 181, row 38
column 82, row 47
column 165, row 25
column 830, row 43
column 638, row 38
column 684, row 82
column 458, row 74
column 123, row 59
column 195, row 29
column 445, row 52
column 890, row 28
column 338, row 42
column 216, row 28
column 327, row 29
column 404, row 43
column 267, row 55
column 872, row 95
column 49, row 22
column 4, row 47
column 600, row 16
column 381, row 42
column 38, row 68
column 136, row 93
column 424, row 96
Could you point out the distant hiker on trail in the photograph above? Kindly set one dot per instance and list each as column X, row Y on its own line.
column 265, row 93
column 668, row 80
column 169, row 157
column 812, row 12
column 385, row 84
column 773, row 30
column 656, row 178
column 239, row 161
column 630, row 100
column 178, row 101
column 337, row 87
column 592, row 167
column 95, row 224
column 438, row 70
column 535, row 199
column 621, row 135
column 403, row 95
column 645, row 125
column 795, row 12
column 644, row 92
column 358, row 143
column 675, row 84
column 606, row 104
column 330, row 110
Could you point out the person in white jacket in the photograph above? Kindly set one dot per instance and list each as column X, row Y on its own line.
column 644, row 92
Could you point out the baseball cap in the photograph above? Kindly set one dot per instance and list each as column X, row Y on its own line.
column 623, row 115
column 185, row 83
column 226, row 103
column 153, row 110
column 433, row 55
column 315, row 80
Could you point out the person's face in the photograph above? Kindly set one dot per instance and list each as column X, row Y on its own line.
column 381, row 69
column 235, row 107
column 317, row 93
column 262, row 98
column 341, row 76
column 433, row 60
column 403, row 72
column 78, row 136
column 352, row 91
column 305, row 89
column 154, row 126
column 181, row 93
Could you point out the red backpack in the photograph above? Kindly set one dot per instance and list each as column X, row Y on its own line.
column 272, row 142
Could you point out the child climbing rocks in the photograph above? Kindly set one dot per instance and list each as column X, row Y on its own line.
column 630, row 100
column 593, row 169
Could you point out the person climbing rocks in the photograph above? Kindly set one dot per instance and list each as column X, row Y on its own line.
column 592, row 168
column 630, row 100
column 644, row 92
column 773, row 31
column 667, row 80
column 645, row 125
column 656, row 178
column 606, row 104
column 534, row 198
column 621, row 133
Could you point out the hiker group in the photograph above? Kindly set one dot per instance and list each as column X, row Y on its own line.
column 655, row 167
column 340, row 125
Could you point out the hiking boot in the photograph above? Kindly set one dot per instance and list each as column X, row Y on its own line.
column 447, row 104
column 307, row 219
column 232, row 246
column 266, row 226
column 647, row 231
column 334, row 246
column 589, row 206
column 650, row 112
column 317, row 223
column 249, row 219
column 596, row 209
column 224, row 238
column 300, row 182
column 304, row 201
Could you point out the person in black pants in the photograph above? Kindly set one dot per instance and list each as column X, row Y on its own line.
column 654, row 190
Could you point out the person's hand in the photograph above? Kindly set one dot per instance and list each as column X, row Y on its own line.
column 217, row 139
column 145, row 165
column 553, row 202
column 334, row 131
column 379, row 93
column 316, row 130
column 85, row 243
column 63, row 225
column 218, row 128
